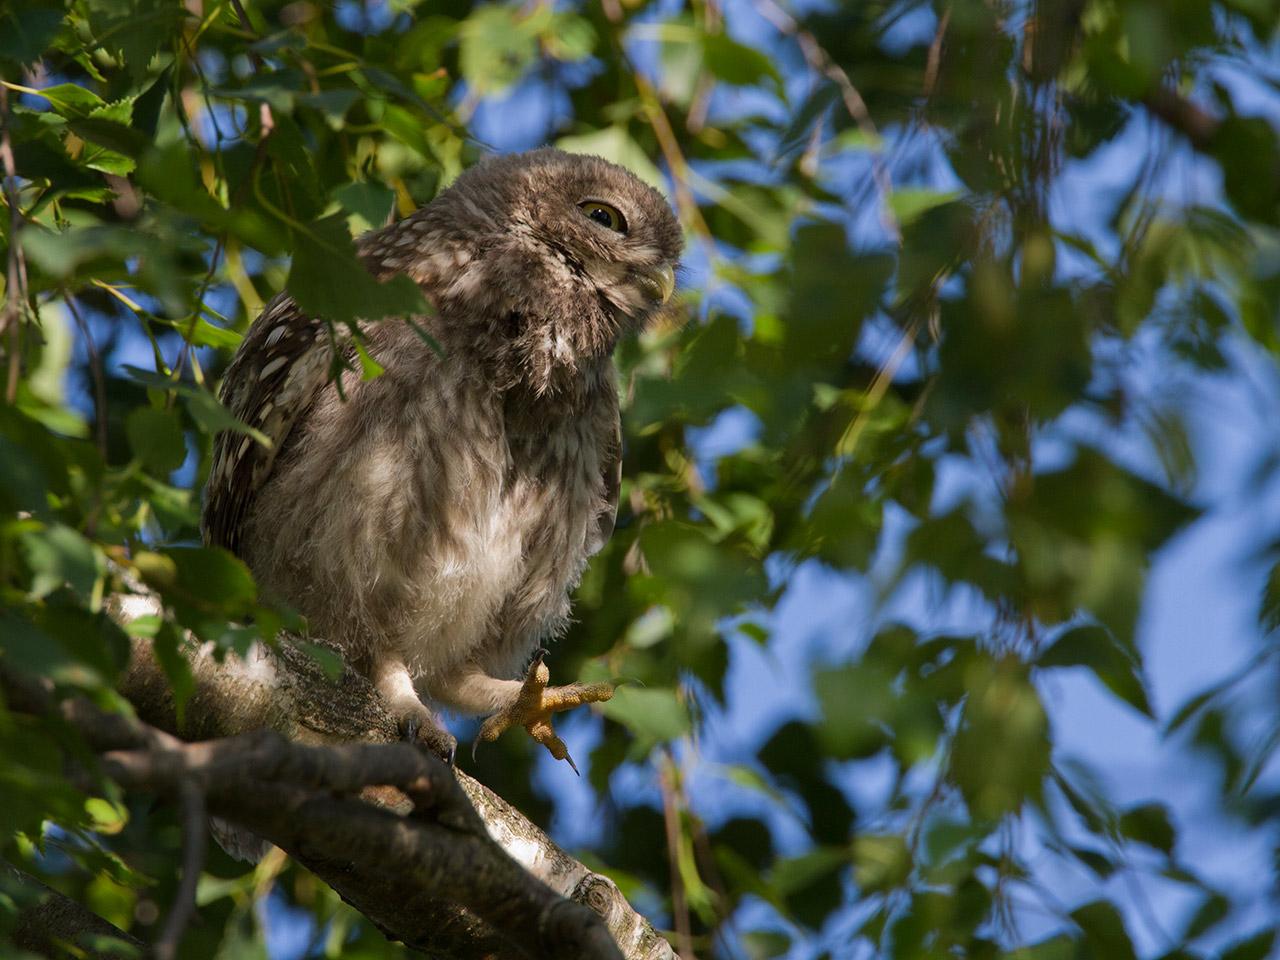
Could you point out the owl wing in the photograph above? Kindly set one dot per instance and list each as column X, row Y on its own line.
column 281, row 365
column 611, row 469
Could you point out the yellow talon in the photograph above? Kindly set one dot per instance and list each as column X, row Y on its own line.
column 536, row 702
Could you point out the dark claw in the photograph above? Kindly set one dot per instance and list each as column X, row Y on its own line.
column 444, row 745
column 572, row 764
column 436, row 739
column 538, row 656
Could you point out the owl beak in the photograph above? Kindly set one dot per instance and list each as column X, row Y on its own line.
column 658, row 283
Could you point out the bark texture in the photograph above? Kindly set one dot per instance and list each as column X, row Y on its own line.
column 315, row 765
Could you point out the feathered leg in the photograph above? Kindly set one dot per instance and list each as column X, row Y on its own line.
column 417, row 723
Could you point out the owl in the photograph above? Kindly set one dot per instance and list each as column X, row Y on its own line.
column 433, row 520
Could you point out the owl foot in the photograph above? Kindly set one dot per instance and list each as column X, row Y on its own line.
column 425, row 731
column 536, row 702
column 417, row 724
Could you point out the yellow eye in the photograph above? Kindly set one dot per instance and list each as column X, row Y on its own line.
column 604, row 215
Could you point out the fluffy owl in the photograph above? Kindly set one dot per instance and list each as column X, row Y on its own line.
column 433, row 520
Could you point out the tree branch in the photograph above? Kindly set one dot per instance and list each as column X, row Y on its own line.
column 47, row 919
column 394, row 868
column 343, row 740
column 1183, row 115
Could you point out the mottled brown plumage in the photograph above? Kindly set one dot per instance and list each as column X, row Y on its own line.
column 433, row 520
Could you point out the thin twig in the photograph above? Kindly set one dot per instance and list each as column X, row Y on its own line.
column 248, row 28
column 696, row 119
column 879, row 387
column 675, row 158
column 95, row 372
column 194, row 829
column 822, row 62
column 671, row 819
column 707, row 867
column 934, row 60
column 681, row 172
column 15, row 293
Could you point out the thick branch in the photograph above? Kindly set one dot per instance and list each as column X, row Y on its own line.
column 286, row 691
column 304, row 799
column 294, row 796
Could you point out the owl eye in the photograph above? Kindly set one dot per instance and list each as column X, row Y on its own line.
column 604, row 215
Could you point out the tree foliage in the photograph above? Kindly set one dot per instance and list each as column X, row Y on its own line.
column 909, row 354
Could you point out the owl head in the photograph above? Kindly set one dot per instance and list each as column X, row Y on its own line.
column 563, row 252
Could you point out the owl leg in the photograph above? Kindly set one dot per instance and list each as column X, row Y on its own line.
column 417, row 723
column 533, row 704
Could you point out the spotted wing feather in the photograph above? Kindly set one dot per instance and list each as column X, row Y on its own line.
column 611, row 469
column 282, row 363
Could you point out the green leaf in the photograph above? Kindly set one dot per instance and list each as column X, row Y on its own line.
column 370, row 201
column 32, row 778
column 1104, row 930
column 332, row 104
column 327, row 279
column 908, row 205
column 169, row 172
column 806, row 884
column 71, row 99
column 208, row 411
column 1061, row 947
column 25, row 647
column 1149, row 824
column 1099, row 863
column 570, row 37
column 832, row 291
column 1084, row 535
column 652, row 716
column 1001, row 754
column 651, row 627
column 205, row 586
column 857, row 702
column 27, row 27
column 735, row 63
column 58, row 555
column 880, row 862
column 92, row 638
column 1213, row 910
column 370, row 369
column 793, row 753
column 156, row 439
column 1095, row 649
column 498, row 43
column 110, row 127
column 22, row 484
column 213, row 572
column 177, row 668
column 945, row 838
column 1257, row 947
column 134, row 31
